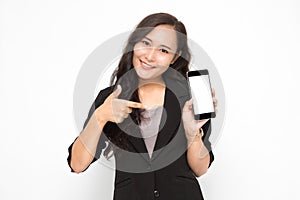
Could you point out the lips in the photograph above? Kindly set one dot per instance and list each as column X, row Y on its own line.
column 146, row 66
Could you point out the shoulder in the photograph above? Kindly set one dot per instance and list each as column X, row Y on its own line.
column 106, row 91
column 103, row 94
column 177, row 93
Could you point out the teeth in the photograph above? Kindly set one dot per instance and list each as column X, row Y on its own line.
column 146, row 65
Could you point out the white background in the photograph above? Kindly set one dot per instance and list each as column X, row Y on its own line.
column 254, row 44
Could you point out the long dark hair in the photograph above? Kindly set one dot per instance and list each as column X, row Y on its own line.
column 129, row 82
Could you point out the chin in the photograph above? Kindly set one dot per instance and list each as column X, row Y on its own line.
column 144, row 76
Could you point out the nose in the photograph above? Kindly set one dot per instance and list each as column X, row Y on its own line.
column 150, row 54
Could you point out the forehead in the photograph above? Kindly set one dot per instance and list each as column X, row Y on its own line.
column 163, row 35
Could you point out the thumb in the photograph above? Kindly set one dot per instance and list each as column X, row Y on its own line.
column 117, row 92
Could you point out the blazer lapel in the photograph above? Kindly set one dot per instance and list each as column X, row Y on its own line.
column 169, row 123
column 139, row 145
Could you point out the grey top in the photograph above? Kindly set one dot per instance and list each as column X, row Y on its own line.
column 150, row 125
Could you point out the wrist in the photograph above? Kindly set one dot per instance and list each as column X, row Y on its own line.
column 100, row 116
column 197, row 137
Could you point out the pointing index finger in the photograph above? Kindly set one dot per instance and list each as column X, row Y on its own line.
column 133, row 104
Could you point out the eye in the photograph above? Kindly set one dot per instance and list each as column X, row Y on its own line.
column 164, row 51
column 145, row 42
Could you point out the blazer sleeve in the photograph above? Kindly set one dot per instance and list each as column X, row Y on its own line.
column 101, row 143
column 207, row 132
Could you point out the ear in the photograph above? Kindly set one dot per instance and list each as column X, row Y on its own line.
column 176, row 56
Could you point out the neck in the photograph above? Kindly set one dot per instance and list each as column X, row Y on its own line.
column 159, row 80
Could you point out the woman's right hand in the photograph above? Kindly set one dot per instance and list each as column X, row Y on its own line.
column 114, row 109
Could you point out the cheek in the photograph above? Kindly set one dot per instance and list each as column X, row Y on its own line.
column 134, row 60
column 137, row 54
column 165, row 60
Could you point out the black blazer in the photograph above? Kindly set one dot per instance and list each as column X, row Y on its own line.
column 166, row 175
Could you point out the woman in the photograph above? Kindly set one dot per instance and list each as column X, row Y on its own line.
column 147, row 119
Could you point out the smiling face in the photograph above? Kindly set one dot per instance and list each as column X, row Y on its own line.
column 155, row 52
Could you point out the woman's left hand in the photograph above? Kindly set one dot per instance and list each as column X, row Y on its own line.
column 191, row 125
column 215, row 101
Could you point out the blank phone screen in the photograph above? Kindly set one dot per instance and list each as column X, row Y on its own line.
column 201, row 93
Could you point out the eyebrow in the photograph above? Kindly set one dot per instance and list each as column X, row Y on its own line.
column 162, row 45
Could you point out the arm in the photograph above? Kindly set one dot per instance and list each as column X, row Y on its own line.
column 84, row 147
column 198, row 156
column 82, row 152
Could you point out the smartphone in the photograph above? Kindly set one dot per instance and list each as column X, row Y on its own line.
column 200, row 90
